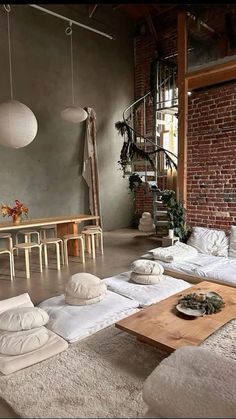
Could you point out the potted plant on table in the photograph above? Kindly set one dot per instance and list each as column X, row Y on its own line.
column 15, row 212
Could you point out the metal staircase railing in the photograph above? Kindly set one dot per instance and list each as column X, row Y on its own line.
column 164, row 98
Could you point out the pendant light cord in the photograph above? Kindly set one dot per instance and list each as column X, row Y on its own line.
column 69, row 32
column 8, row 9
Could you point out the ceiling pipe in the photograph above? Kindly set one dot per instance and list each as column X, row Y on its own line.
column 89, row 28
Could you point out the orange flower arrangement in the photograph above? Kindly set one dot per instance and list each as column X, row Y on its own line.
column 18, row 210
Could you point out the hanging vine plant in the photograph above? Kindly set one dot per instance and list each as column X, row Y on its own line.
column 130, row 151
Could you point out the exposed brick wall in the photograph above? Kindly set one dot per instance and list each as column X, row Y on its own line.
column 211, row 149
column 143, row 200
column 212, row 157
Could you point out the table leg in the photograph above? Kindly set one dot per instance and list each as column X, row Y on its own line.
column 69, row 228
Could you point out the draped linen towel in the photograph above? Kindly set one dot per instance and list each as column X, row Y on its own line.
column 90, row 164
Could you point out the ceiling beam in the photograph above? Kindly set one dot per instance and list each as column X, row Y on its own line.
column 150, row 24
column 214, row 74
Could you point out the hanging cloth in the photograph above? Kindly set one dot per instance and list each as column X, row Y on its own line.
column 90, row 164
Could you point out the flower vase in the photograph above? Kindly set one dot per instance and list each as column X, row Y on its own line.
column 16, row 219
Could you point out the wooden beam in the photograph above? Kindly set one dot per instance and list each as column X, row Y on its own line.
column 214, row 74
column 149, row 21
column 92, row 8
column 183, row 108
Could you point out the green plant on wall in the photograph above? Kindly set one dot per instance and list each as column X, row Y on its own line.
column 176, row 214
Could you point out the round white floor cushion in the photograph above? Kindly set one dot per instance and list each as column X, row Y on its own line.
column 84, row 288
column 147, row 267
column 18, row 343
column 74, row 301
column 146, row 279
column 23, row 318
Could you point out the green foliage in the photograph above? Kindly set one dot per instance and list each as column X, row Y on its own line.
column 211, row 304
column 129, row 149
column 176, row 214
column 134, row 181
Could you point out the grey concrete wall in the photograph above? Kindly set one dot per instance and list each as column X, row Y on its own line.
column 46, row 175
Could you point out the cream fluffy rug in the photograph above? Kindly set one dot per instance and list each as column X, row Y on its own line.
column 100, row 377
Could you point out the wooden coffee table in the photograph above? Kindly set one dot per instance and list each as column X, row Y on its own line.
column 163, row 326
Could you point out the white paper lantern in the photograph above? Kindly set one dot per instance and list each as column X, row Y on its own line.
column 74, row 114
column 18, row 125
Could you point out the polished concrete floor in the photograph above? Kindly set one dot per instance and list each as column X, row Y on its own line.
column 121, row 248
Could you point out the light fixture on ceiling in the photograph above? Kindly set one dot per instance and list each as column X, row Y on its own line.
column 73, row 113
column 18, row 125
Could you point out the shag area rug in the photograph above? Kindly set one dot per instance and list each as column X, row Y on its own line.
column 100, row 377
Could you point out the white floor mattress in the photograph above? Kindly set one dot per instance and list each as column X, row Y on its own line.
column 208, row 267
column 74, row 323
column 145, row 294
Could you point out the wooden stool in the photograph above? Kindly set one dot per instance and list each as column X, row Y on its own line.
column 57, row 242
column 27, row 247
column 94, row 227
column 45, row 229
column 27, row 234
column 8, row 237
column 89, row 237
column 80, row 239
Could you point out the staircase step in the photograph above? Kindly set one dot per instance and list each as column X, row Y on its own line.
column 160, row 213
column 161, row 222
column 145, row 173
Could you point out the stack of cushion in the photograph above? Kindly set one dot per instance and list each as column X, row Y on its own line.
column 84, row 288
column 22, row 330
column 146, row 223
column 146, row 272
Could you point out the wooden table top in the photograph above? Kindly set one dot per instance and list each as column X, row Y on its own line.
column 9, row 225
column 163, row 326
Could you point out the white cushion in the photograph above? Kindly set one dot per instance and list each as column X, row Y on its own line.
column 146, row 222
column 17, row 343
column 192, row 383
column 232, row 242
column 54, row 345
column 22, row 300
column 74, row 322
column 147, row 267
column 146, row 215
column 23, row 318
column 85, row 286
column 146, row 279
column 145, row 294
column 75, row 301
column 209, row 241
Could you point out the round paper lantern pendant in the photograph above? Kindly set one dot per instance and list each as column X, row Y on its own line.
column 74, row 114
column 18, row 125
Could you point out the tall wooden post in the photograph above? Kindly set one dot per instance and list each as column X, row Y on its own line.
column 183, row 108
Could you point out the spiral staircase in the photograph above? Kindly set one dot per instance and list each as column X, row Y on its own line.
column 147, row 118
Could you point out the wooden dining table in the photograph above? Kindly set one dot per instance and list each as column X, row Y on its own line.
column 65, row 225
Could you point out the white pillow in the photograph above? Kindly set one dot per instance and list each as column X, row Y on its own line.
column 18, row 343
column 22, row 300
column 232, row 242
column 147, row 267
column 209, row 241
column 84, row 287
column 146, row 279
column 74, row 301
column 23, row 318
